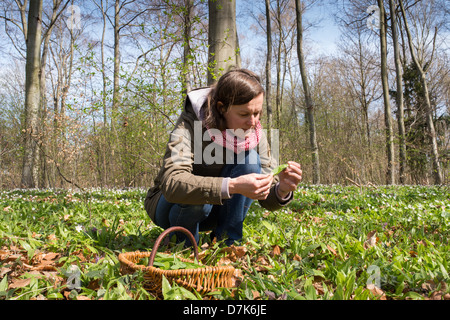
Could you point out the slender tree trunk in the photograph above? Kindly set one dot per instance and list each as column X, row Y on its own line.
column 102, row 153
column 308, row 98
column 223, row 52
column 30, row 176
column 187, row 55
column 399, row 95
column 269, row 68
column 116, row 79
column 438, row 179
column 116, row 93
column 278, row 66
column 364, row 95
column 43, row 102
column 390, row 176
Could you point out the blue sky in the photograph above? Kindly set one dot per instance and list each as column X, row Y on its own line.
column 326, row 34
column 322, row 38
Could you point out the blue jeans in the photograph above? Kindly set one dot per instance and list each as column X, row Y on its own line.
column 226, row 220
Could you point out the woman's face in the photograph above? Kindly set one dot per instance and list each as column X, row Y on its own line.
column 244, row 116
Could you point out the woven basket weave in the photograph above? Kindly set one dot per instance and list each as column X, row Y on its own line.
column 204, row 280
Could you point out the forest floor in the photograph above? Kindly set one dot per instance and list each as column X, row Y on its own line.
column 331, row 242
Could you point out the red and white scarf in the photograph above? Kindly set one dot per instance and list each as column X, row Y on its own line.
column 235, row 143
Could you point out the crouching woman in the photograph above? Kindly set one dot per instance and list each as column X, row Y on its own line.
column 217, row 162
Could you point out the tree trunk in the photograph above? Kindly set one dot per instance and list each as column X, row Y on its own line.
column 399, row 95
column 278, row 67
column 102, row 150
column 268, row 68
column 30, row 167
column 308, row 98
column 116, row 93
column 187, row 55
column 390, row 176
column 223, row 52
column 438, row 179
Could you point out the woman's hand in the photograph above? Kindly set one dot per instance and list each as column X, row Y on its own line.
column 254, row 186
column 289, row 179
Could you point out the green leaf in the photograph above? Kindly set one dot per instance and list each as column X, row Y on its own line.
column 310, row 292
column 268, row 225
column 413, row 295
column 55, row 295
column 295, row 295
column 338, row 293
column 165, row 287
column 30, row 250
column 4, row 283
column 341, row 250
column 278, row 169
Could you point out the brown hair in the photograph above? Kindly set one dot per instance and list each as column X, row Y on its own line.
column 238, row 86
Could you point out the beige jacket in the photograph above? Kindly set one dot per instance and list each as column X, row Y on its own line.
column 191, row 168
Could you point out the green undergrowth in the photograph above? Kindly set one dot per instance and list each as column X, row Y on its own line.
column 331, row 242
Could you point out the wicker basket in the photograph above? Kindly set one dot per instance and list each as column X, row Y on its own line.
column 203, row 280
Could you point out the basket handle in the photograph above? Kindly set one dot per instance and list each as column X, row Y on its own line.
column 166, row 232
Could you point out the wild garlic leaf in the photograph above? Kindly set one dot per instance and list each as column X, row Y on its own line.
column 278, row 169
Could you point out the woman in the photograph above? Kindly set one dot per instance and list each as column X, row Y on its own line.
column 218, row 161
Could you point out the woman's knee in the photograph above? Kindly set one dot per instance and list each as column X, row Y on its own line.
column 189, row 214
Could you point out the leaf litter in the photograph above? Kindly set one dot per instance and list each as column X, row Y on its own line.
column 260, row 261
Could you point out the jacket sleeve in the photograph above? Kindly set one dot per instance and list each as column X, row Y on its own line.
column 178, row 183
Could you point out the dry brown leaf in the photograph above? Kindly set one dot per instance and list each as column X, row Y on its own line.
column 50, row 256
column 94, row 284
column 237, row 278
column 262, row 264
column 317, row 219
column 437, row 295
column 319, row 287
column 371, row 239
column 201, row 255
column 13, row 257
column 233, row 253
column 41, row 267
column 3, row 254
column 256, row 295
column 332, row 250
column 3, row 271
column 224, row 261
column 276, row 251
column 66, row 294
column 52, row 237
column 377, row 292
column 240, row 251
column 19, row 283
